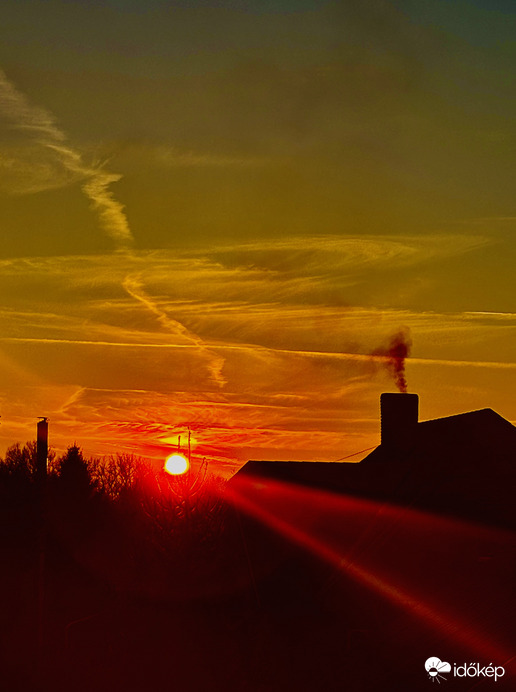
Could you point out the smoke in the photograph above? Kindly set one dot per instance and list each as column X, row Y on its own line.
column 40, row 128
column 394, row 355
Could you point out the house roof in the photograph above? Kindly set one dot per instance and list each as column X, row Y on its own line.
column 463, row 465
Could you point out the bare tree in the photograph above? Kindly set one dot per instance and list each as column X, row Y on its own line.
column 118, row 474
column 21, row 462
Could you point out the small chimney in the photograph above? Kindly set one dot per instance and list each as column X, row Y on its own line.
column 42, row 449
column 399, row 418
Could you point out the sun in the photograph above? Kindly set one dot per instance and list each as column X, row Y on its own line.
column 176, row 464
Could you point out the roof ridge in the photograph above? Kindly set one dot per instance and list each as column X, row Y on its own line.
column 487, row 409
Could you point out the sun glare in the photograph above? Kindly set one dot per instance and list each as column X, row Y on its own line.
column 176, row 464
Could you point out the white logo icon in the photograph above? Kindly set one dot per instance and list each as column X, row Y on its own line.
column 434, row 667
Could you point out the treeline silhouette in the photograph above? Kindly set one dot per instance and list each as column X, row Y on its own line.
column 101, row 550
column 118, row 576
column 127, row 520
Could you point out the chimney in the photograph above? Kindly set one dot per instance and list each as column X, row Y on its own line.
column 399, row 417
column 42, row 449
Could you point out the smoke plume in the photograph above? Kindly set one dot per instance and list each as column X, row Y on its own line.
column 394, row 355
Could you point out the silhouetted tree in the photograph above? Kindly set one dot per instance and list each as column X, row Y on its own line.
column 117, row 475
column 74, row 473
column 21, row 461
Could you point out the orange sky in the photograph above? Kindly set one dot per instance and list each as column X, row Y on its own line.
column 211, row 215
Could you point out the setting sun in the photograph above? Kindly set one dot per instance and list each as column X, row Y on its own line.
column 176, row 464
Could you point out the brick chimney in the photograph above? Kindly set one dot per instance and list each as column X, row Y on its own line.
column 399, row 418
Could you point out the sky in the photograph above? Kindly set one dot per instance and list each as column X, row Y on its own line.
column 213, row 213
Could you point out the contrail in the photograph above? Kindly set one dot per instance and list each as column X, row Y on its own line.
column 133, row 286
column 40, row 125
column 253, row 349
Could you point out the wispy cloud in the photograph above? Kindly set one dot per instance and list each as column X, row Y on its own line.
column 138, row 345
column 290, row 264
column 490, row 315
column 51, row 162
column 355, row 254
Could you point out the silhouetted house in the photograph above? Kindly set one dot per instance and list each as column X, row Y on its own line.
column 462, row 465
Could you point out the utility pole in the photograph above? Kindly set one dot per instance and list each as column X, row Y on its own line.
column 41, row 477
column 42, row 450
column 189, row 450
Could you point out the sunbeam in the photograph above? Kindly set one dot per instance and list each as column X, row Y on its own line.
column 386, row 548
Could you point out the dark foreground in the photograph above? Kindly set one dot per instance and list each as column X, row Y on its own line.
column 100, row 596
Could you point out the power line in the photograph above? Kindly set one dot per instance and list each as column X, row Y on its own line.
column 355, row 453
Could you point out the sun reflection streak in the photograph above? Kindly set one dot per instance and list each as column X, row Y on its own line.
column 271, row 503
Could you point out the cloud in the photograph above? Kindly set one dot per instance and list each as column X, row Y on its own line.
column 287, row 257
column 236, row 295
column 337, row 253
column 488, row 315
column 137, row 345
column 223, row 429
column 26, row 169
column 45, row 162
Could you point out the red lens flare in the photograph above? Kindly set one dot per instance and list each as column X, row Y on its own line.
column 389, row 549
